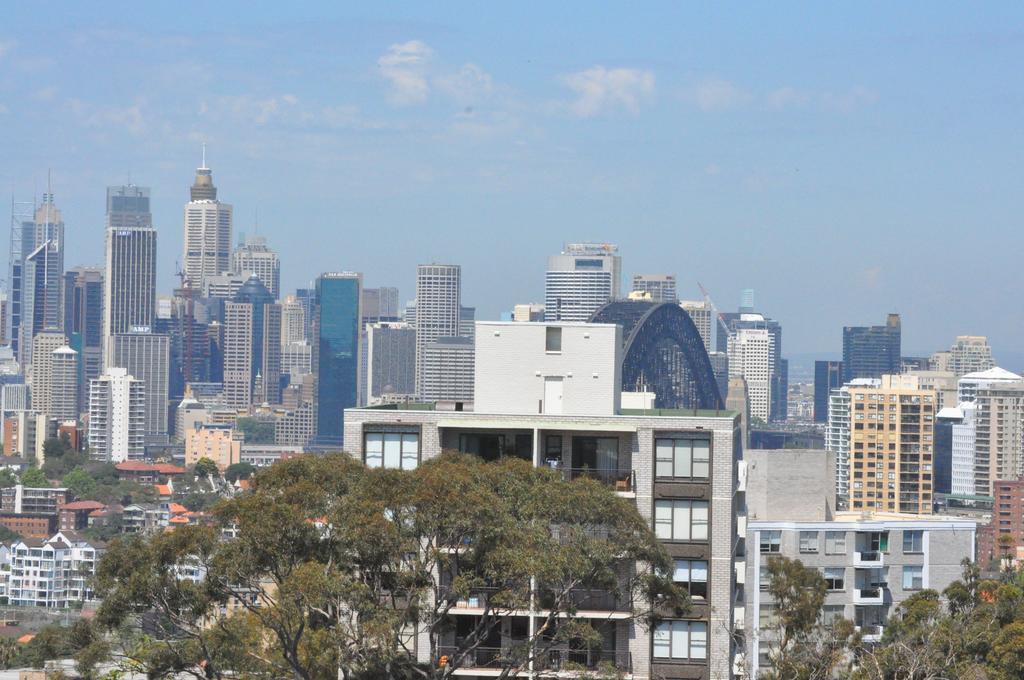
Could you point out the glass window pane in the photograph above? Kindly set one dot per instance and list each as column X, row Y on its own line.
column 698, row 640
column 410, row 451
column 374, row 449
column 681, row 521
column 663, row 519
column 662, row 640
column 701, row 458
column 392, row 450
column 680, row 640
column 698, row 570
column 682, row 458
column 700, row 521
column 682, row 572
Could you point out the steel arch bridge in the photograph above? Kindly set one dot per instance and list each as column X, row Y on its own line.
column 663, row 353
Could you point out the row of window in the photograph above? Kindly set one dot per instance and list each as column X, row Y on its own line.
column 675, row 458
column 835, row 542
column 682, row 640
column 835, row 577
column 678, row 520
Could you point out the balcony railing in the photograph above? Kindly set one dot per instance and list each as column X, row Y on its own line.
column 558, row 660
column 621, row 480
column 868, row 558
column 869, row 595
column 580, row 599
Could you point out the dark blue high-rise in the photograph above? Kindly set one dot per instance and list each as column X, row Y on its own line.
column 872, row 351
column 336, row 329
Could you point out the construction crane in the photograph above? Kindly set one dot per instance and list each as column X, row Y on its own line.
column 718, row 315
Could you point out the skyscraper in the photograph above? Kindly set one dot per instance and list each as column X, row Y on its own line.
column 22, row 242
column 751, row 357
column 252, row 346
column 380, row 304
column 293, row 321
column 970, row 354
column 581, row 279
column 146, row 356
column 447, row 374
column 828, row 376
column 83, row 323
column 207, row 231
column 44, row 346
column 128, row 207
column 390, row 361
column 42, row 270
column 254, row 257
column 700, row 313
column 662, row 287
column 872, row 351
column 438, row 310
column 336, row 351
column 129, row 293
column 117, row 417
column 63, row 386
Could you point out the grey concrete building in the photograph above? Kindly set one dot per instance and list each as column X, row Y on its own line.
column 871, row 561
column 679, row 467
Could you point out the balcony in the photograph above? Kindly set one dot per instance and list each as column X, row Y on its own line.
column 604, row 602
column 868, row 558
column 871, row 633
column 623, row 481
column 872, row 595
column 555, row 660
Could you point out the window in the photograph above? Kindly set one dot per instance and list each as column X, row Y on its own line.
column 913, row 578
column 682, row 458
column 693, row 575
column 767, row 616
column 808, row 542
column 763, row 578
column 681, row 640
column 771, row 541
column 834, row 577
column 913, row 541
column 681, row 520
column 553, row 339
column 393, row 450
column 832, row 614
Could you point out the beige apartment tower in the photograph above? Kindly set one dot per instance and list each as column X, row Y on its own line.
column 891, row 442
column 999, row 434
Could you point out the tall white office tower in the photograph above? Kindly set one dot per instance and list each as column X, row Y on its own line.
column 700, row 313
column 117, row 417
column 64, row 384
column 752, row 357
column 438, row 308
column 293, row 321
column 581, row 279
column 129, row 287
column 146, row 357
column 661, row 287
column 41, row 377
column 254, row 257
column 207, row 231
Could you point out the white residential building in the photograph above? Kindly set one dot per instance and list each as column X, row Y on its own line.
column 117, row 417
column 964, row 452
column 837, row 434
column 968, row 385
column 54, row 573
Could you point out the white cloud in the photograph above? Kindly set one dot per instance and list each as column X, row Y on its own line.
column 786, row 97
column 719, row 95
column 599, row 89
column 404, row 66
column 467, row 85
column 845, row 102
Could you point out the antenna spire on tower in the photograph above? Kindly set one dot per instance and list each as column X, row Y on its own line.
column 204, row 157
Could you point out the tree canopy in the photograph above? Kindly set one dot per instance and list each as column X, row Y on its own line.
column 334, row 564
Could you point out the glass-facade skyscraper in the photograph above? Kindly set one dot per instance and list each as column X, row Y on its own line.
column 872, row 351
column 336, row 359
column 828, row 375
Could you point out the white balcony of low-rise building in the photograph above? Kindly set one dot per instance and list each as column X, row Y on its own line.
column 871, row 633
column 869, row 595
column 868, row 559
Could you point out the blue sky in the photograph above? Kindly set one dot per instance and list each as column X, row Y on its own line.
column 844, row 164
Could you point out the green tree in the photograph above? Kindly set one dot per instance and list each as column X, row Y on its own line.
column 8, row 536
column 256, row 431
column 80, row 483
column 9, row 651
column 1007, row 655
column 239, row 471
column 333, row 562
column 34, row 477
column 205, row 467
column 7, row 478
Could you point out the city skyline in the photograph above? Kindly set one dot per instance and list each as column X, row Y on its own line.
column 676, row 150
